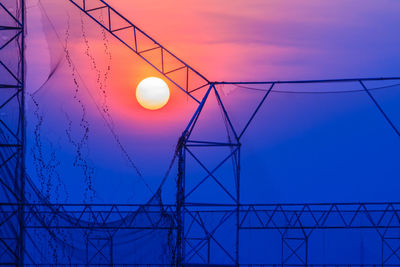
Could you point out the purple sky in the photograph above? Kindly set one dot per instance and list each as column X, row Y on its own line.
column 226, row 40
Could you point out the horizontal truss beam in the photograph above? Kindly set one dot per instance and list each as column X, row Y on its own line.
column 160, row 58
column 267, row 216
column 311, row 81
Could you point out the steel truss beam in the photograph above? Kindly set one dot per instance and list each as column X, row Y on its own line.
column 197, row 237
column 193, row 232
column 295, row 223
column 12, row 84
column 98, row 226
column 160, row 58
column 90, row 216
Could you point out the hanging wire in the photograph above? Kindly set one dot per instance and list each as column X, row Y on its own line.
column 314, row 92
column 107, row 122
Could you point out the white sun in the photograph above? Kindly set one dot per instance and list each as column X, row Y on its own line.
column 152, row 93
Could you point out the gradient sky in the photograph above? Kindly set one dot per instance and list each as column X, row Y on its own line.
column 299, row 146
column 267, row 40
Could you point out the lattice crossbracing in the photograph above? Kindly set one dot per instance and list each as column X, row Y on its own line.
column 201, row 229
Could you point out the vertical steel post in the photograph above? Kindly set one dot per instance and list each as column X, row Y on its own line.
column 180, row 201
column 237, row 205
column 21, row 157
column 13, row 241
column 180, row 194
column 111, row 250
column 382, row 251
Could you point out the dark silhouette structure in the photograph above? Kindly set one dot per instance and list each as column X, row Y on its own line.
column 191, row 238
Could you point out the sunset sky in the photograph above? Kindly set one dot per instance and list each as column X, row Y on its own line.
column 268, row 40
column 299, row 145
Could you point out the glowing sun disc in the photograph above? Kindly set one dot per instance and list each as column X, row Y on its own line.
column 152, row 93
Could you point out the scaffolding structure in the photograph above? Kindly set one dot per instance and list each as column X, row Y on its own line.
column 194, row 240
column 12, row 124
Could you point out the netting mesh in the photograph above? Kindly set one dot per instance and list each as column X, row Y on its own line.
column 300, row 143
column 84, row 122
column 89, row 142
column 302, row 140
column 101, row 235
column 73, row 113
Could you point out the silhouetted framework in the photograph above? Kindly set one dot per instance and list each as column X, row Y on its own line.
column 170, row 66
column 12, row 82
column 295, row 223
column 194, row 229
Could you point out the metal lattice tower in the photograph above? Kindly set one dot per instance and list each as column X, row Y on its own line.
column 12, row 130
column 196, row 238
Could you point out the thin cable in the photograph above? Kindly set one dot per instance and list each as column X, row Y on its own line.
column 52, row 72
column 98, row 108
column 365, row 89
column 312, row 92
column 380, row 109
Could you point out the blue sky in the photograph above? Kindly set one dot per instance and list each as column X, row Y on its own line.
column 300, row 148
